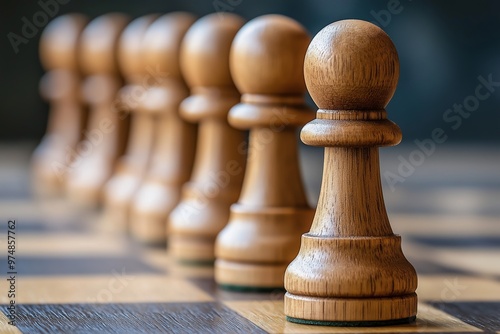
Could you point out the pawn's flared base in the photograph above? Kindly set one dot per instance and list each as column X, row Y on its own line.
column 240, row 276
column 354, row 312
column 192, row 250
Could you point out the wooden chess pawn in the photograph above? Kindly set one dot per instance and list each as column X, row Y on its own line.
column 263, row 233
column 174, row 139
column 121, row 188
column 219, row 166
column 61, row 87
column 350, row 269
column 106, row 132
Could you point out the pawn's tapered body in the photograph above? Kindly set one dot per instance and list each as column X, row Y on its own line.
column 350, row 269
column 263, row 233
column 122, row 186
column 60, row 86
column 219, row 165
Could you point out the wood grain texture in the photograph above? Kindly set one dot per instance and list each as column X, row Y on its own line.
column 174, row 139
column 74, row 277
column 60, row 86
column 120, row 189
column 350, row 269
column 480, row 314
column 219, row 165
column 134, row 318
column 106, row 131
column 264, row 229
column 360, row 67
column 268, row 314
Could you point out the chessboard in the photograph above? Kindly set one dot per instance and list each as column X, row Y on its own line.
column 73, row 275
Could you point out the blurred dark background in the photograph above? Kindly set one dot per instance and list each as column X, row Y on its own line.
column 444, row 47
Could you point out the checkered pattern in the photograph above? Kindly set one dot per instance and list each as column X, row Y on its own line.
column 77, row 276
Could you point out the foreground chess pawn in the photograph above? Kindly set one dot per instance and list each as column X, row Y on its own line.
column 219, row 165
column 175, row 139
column 350, row 269
column 61, row 87
column 106, row 132
column 121, row 188
column 263, row 233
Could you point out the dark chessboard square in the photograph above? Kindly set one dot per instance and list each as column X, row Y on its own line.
column 53, row 266
column 462, row 242
column 428, row 267
column 208, row 317
column 15, row 190
column 45, row 227
column 484, row 315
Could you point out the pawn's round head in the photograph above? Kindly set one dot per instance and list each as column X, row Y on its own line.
column 351, row 65
column 59, row 42
column 99, row 44
column 162, row 44
column 205, row 50
column 267, row 56
column 130, row 48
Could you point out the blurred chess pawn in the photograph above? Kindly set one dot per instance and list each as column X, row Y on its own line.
column 219, row 164
column 121, row 188
column 106, row 132
column 174, row 139
column 264, row 229
column 61, row 87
